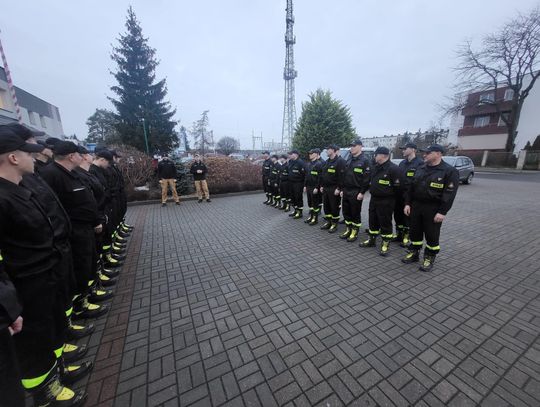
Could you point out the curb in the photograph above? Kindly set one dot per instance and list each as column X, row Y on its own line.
column 504, row 170
column 194, row 198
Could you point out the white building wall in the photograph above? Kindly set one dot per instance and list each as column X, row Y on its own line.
column 483, row 142
column 529, row 122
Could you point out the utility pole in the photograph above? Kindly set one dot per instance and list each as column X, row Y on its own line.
column 255, row 139
column 289, row 73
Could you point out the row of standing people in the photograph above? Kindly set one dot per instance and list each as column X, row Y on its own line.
column 417, row 193
column 62, row 241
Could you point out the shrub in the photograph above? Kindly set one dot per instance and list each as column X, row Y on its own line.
column 228, row 175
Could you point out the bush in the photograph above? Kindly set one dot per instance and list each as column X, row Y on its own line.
column 228, row 175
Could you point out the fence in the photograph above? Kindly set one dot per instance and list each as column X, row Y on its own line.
column 525, row 160
column 532, row 160
column 501, row 160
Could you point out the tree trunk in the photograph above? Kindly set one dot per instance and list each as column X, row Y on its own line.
column 512, row 127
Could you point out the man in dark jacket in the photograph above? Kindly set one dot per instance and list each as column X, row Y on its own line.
column 428, row 199
column 313, row 185
column 297, row 173
column 199, row 171
column 355, row 184
column 331, row 184
column 384, row 185
column 284, row 184
column 266, row 169
column 167, row 178
column 273, row 180
column 407, row 168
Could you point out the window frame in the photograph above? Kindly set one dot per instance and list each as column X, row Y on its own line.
column 483, row 125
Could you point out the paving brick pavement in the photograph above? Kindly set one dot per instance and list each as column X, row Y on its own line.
column 232, row 303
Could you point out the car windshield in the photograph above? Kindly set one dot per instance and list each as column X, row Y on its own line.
column 450, row 160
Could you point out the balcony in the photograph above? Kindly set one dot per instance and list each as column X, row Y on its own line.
column 485, row 109
column 481, row 131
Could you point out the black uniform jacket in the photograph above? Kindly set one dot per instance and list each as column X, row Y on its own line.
column 385, row 180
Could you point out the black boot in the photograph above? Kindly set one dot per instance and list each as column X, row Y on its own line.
column 71, row 373
column 314, row 219
column 345, row 235
column 353, row 235
column 76, row 331
column 83, row 309
column 293, row 213
column 398, row 237
column 333, row 227
column 71, row 353
column 412, row 256
column 385, row 246
column 265, row 202
column 326, row 225
column 405, row 239
column 308, row 220
column 427, row 264
column 298, row 213
column 370, row 242
column 99, row 294
column 52, row 393
column 286, row 206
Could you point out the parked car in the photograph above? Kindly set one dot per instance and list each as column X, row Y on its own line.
column 239, row 157
column 464, row 165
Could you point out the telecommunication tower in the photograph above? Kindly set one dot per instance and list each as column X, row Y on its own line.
column 289, row 73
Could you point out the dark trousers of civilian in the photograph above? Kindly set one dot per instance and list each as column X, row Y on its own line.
column 297, row 192
column 380, row 216
column 422, row 226
column 352, row 208
column 331, row 203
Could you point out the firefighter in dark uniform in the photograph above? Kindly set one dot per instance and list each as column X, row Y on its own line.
column 44, row 158
column 313, row 184
column 428, row 199
column 115, row 256
column 266, row 170
column 331, row 183
column 407, row 168
column 284, row 185
column 356, row 178
column 273, row 180
column 123, row 228
column 81, row 207
column 32, row 262
column 385, row 183
column 297, row 174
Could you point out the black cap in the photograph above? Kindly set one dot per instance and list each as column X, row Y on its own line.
column 356, row 142
column 104, row 153
column 38, row 133
column 266, row 152
column 382, row 150
column 294, row 152
column 65, row 148
column 44, row 144
column 314, row 151
column 83, row 150
column 333, row 147
column 274, row 156
column 409, row 145
column 434, row 147
column 283, row 156
column 52, row 141
column 116, row 154
column 9, row 142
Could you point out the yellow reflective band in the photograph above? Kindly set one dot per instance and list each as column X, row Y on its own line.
column 356, row 224
column 68, row 347
column 391, row 235
column 373, row 232
column 106, row 247
column 410, row 174
column 348, row 222
column 58, row 352
column 331, row 170
column 433, row 247
column 384, row 182
column 36, row 381
column 360, row 170
column 90, row 283
column 1, row 258
column 335, row 217
column 314, row 173
column 417, row 243
column 69, row 311
column 436, row 185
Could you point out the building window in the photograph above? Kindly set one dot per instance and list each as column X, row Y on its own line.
column 481, row 121
column 32, row 117
column 487, row 97
column 501, row 121
column 2, row 96
column 508, row 94
column 43, row 122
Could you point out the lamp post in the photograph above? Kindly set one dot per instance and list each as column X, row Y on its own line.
column 145, row 136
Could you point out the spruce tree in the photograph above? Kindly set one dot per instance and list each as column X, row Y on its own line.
column 324, row 120
column 140, row 98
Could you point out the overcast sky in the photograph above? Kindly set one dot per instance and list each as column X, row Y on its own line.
column 390, row 61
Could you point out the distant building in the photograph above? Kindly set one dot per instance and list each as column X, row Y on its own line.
column 36, row 113
column 480, row 126
column 384, row 141
column 392, row 141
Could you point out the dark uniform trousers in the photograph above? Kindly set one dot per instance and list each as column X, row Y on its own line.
column 297, row 192
column 11, row 393
column 380, row 216
column 314, row 200
column 285, row 191
column 83, row 246
column 266, row 187
column 402, row 221
column 422, row 225
column 331, row 203
column 352, row 208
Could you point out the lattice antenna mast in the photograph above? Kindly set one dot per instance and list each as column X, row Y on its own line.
column 289, row 73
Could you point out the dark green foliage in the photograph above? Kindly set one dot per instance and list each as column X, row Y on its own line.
column 102, row 128
column 324, row 120
column 139, row 96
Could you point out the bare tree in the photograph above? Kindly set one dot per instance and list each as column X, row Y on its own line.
column 227, row 145
column 201, row 136
column 507, row 58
